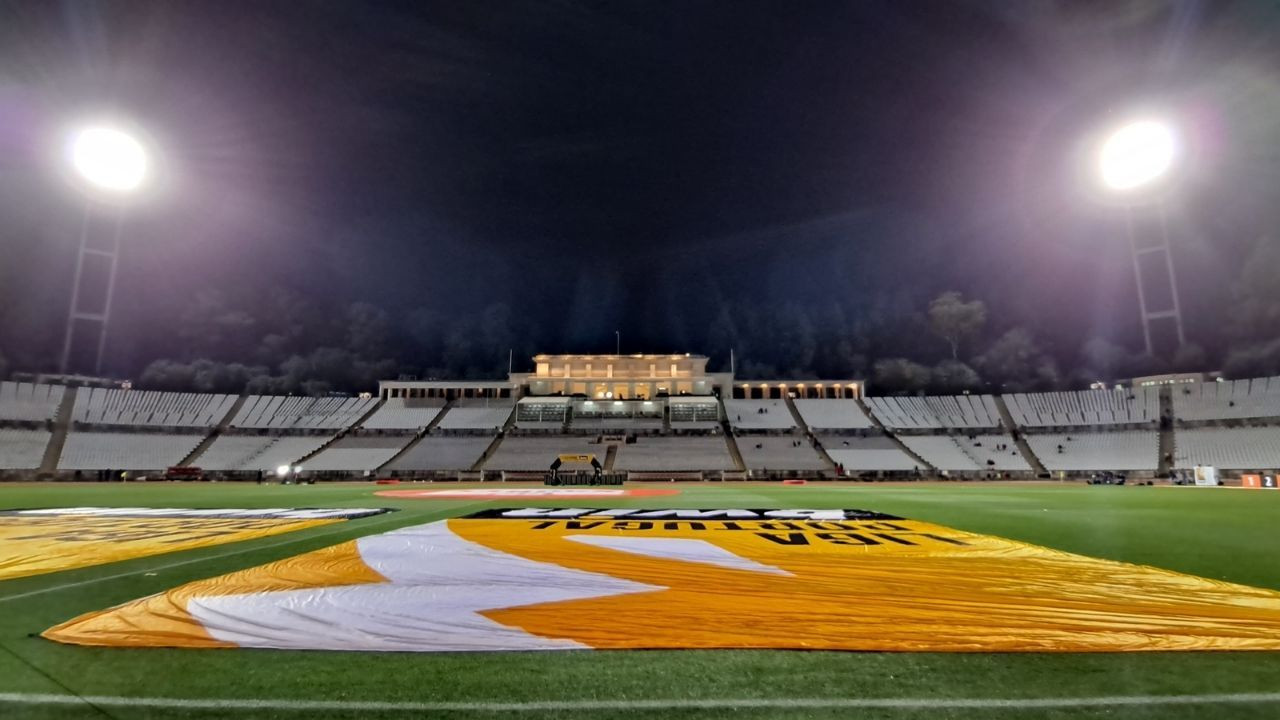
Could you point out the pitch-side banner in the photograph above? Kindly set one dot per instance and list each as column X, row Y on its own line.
column 548, row 579
column 33, row 542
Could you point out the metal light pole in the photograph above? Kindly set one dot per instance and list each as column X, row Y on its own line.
column 617, row 334
column 112, row 166
column 1134, row 162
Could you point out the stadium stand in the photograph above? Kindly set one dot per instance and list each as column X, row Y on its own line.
column 540, row 413
column 858, row 454
column 537, row 453
column 1001, row 450
column 103, row 406
column 29, row 402
column 443, row 453
column 833, row 414
column 257, row 452
column 1228, row 400
column 280, row 412
column 22, row 449
column 1250, row 448
column 474, row 414
column 404, row 414
column 941, row 411
column 759, row 415
column 694, row 413
column 125, row 451
column 367, row 452
column 770, row 452
column 1119, row 450
column 674, row 454
column 1085, row 407
column 961, row 453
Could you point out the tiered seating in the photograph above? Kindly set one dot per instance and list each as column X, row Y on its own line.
column 759, row 414
column 358, row 453
column 251, row 452
column 537, row 453
column 940, row 411
column 1121, row 450
column 770, row 452
column 867, row 454
column 1085, row 407
column 154, row 409
column 404, row 414
column 29, row 402
column 983, row 448
column 542, row 413
column 1255, row 448
column 1237, row 399
column 674, row 454
column 22, row 449
column 942, row 452
column 443, row 453
column 833, row 414
column 476, row 415
column 278, row 411
column 965, row 453
column 125, row 451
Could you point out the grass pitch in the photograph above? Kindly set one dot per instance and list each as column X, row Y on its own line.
column 1226, row 534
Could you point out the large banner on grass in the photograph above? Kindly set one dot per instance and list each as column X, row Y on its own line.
column 545, row 579
column 33, row 542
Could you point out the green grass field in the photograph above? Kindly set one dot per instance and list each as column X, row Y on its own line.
column 1227, row 534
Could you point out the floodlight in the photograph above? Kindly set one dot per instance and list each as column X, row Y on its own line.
column 109, row 159
column 1137, row 155
column 282, row 470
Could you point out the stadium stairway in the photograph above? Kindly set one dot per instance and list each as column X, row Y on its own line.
column 194, row 455
column 808, row 434
column 1018, row 440
column 61, row 426
column 435, row 421
column 478, row 466
column 1168, row 444
column 901, row 445
column 609, row 456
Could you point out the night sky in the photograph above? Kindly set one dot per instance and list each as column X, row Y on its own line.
column 602, row 165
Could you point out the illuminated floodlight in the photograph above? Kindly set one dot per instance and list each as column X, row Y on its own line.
column 282, row 470
column 1137, row 155
column 109, row 159
column 297, row 469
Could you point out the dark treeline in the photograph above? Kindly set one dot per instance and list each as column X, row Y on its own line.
column 273, row 340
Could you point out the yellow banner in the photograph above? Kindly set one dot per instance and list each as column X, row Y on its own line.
column 34, row 542
column 574, row 579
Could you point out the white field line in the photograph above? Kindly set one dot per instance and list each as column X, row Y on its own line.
column 339, row 527
column 639, row 705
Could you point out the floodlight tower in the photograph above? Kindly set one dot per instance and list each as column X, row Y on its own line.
column 1135, row 165
column 112, row 167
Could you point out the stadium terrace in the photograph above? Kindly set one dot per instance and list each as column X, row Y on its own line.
column 643, row 417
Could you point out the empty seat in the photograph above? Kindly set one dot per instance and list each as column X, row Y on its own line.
column 759, row 414
column 29, row 402
column 1095, row 451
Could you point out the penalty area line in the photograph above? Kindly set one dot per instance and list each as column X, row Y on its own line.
column 638, row 705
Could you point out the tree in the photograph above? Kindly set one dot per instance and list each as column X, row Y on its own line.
column 901, row 375
column 954, row 320
column 4, row 367
column 1017, row 362
column 953, row 377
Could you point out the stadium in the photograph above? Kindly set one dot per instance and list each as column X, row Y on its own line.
column 641, row 360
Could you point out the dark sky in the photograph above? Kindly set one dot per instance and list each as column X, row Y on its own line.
column 598, row 164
